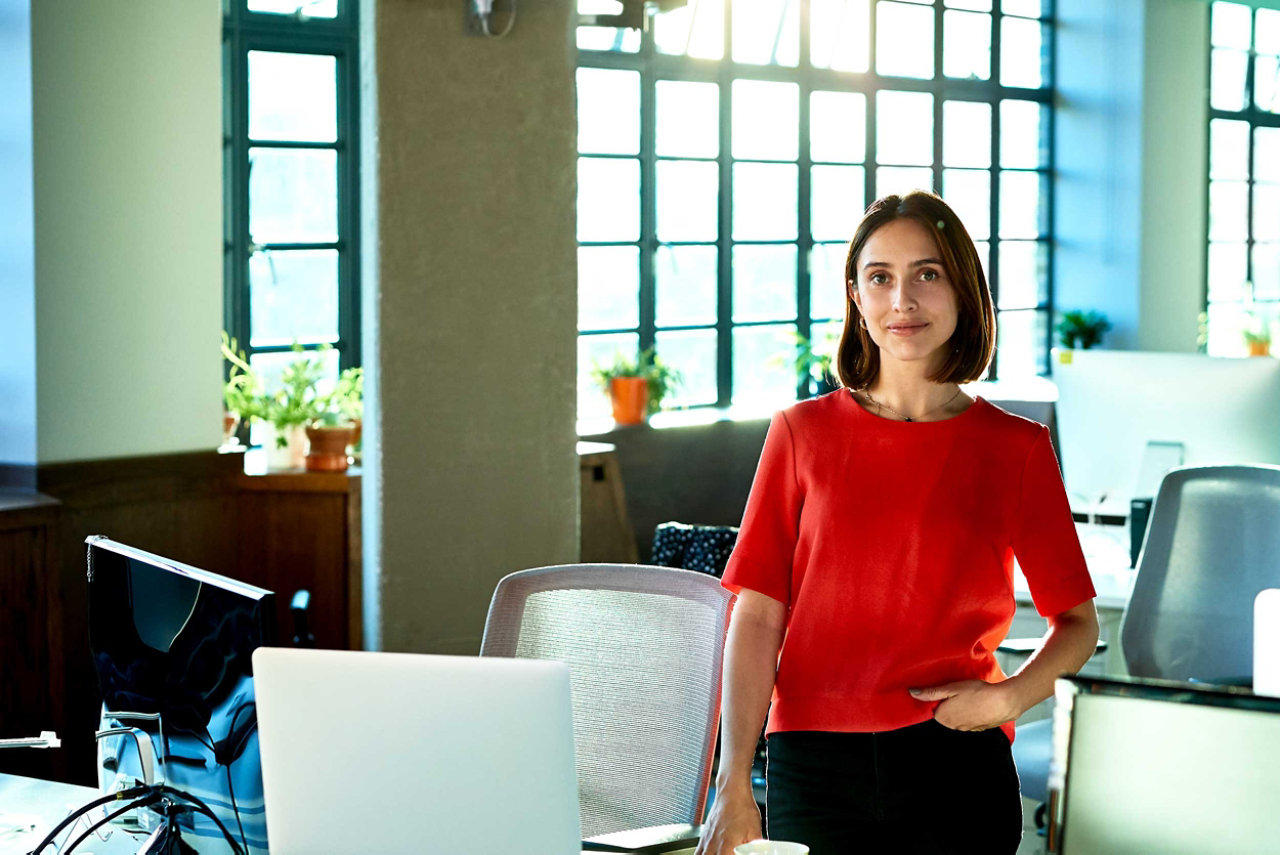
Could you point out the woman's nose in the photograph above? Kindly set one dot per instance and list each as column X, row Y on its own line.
column 904, row 297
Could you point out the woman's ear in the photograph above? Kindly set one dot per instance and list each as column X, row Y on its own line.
column 851, row 288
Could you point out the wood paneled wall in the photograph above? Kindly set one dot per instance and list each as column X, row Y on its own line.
column 282, row 531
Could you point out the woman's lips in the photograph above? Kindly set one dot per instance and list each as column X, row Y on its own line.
column 907, row 329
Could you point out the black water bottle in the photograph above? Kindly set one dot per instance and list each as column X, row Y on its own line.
column 1139, row 516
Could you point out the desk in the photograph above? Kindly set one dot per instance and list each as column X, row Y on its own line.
column 25, row 802
column 30, row 801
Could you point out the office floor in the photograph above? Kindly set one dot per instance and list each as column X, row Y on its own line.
column 1032, row 843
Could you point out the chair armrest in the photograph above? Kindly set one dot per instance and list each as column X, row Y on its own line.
column 1031, row 645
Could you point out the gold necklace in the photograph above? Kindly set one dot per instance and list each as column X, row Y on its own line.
column 906, row 418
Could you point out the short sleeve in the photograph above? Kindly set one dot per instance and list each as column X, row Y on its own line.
column 762, row 557
column 1045, row 540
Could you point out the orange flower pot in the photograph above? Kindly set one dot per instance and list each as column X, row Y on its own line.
column 328, row 449
column 1259, row 348
column 630, row 398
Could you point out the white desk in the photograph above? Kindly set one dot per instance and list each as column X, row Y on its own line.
column 30, row 808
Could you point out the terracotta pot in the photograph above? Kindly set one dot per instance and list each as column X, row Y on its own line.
column 630, row 398
column 230, row 421
column 329, row 448
column 1259, row 348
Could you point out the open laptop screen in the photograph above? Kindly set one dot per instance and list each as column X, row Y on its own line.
column 405, row 753
column 1154, row 766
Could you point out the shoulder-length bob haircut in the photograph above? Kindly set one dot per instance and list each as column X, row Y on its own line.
column 973, row 343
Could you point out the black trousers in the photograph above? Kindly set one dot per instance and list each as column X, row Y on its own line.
column 921, row 790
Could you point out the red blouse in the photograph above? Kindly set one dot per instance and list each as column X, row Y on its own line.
column 892, row 544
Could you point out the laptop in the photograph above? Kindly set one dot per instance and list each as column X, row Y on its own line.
column 406, row 753
column 1149, row 766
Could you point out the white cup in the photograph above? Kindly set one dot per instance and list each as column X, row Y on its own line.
column 771, row 847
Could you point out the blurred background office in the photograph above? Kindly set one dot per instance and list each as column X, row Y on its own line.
column 474, row 220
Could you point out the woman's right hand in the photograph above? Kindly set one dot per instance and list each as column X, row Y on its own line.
column 734, row 819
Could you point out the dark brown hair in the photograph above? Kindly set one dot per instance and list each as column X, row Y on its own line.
column 973, row 343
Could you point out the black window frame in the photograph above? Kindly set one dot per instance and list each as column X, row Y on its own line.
column 654, row 66
column 245, row 31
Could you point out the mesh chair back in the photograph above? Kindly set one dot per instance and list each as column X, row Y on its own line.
column 1213, row 544
column 644, row 648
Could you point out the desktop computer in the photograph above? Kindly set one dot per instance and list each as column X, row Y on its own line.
column 1126, row 417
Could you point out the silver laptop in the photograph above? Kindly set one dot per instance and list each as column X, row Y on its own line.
column 396, row 752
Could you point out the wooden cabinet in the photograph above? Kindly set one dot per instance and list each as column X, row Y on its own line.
column 302, row 530
column 32, row 685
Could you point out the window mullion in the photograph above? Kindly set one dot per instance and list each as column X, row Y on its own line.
column 648, row 204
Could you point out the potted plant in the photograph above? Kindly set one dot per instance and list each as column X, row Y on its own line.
column 816, row 365
column 1257, row 336
column 637, row 386
column 242, row 394
column 293, row 406
column 338, row 425
column 1081, row 330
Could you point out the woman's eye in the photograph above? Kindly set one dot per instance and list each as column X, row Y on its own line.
column 928, row 275
column 879, row 278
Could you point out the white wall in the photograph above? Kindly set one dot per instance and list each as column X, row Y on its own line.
column 1097, row 201
column 1131, row 141
column 1175, row 121
column 17, row 240
column 127, row 133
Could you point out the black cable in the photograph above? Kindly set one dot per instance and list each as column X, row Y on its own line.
column 149, row 799
column 231, row 789
column 207, row 811
column 72, row 817
column 234, row 751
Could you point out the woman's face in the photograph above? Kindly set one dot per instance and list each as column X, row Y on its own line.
column 903, row 292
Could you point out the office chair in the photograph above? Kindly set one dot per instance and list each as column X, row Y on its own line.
column 1212, row 544
column 644, row 647
column 705, row 548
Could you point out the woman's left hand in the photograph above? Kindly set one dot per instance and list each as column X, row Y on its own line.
column 971, row 704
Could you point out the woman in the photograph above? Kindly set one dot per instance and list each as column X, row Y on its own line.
column 874, row 574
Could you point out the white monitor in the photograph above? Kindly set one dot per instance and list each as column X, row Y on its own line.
column 404, row 753
column 1117, row 409
column 1165, row 768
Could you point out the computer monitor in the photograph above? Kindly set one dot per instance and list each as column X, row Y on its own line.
column 171, row 639
column 1155, row 766
column 1112, row 404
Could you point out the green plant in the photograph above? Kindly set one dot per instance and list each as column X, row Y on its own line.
column 298, row 401
column 345, row 404
column 1081, row 329
column 661, row 377
column 242, row 392
column 816, row 363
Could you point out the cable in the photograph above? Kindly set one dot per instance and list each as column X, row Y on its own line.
column 149, row 799
column 207, row 811
column 233, row 752
column 74, row 815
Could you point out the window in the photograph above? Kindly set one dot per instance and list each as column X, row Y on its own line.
column 290, row 171
column 724, row 162
column 1242, row 292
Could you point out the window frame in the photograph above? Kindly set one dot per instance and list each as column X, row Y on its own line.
column 654, row 66
column 245, row 31
column 1254, row 118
